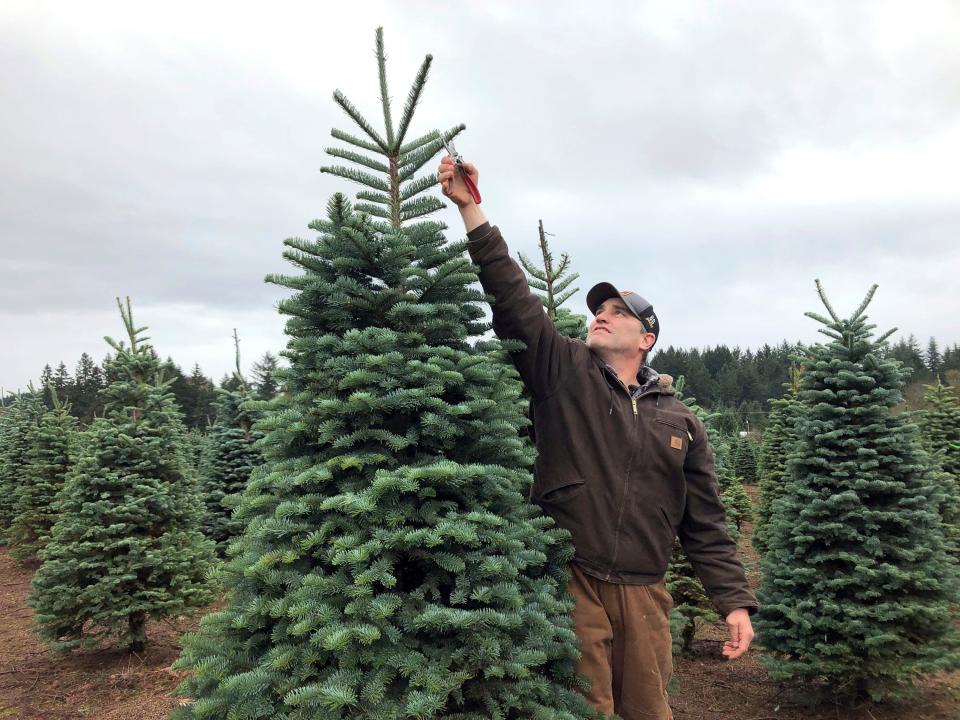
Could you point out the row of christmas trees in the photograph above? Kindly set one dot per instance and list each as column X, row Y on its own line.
column 39, row 445
column 389, row 565
column 122, row 520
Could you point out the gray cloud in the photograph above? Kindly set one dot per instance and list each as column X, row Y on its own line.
column 718, row 157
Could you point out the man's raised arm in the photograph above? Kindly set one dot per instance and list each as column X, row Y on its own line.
column 517, row 313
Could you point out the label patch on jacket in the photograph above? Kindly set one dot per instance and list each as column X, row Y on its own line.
column 676, row 442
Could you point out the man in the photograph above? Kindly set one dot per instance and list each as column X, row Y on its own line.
column 623, row 465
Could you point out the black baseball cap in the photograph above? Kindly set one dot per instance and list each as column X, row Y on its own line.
column 641, row 309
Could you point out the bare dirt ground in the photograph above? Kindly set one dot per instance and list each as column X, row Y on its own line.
column 39, row 684
column 706, row 687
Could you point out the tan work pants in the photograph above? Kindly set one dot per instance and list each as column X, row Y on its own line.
column 624, row 631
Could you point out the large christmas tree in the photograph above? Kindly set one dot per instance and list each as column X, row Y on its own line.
column 856, row 583
column 50, row 457
column 391, row 567
column 126, row 546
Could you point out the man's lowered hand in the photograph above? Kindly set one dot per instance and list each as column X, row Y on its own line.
column 741, row 633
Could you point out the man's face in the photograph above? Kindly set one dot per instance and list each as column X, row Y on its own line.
column 615, row 329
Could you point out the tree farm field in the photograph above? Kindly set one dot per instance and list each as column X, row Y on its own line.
column 41, row 684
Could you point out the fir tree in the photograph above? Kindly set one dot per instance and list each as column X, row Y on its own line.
column 126, row 546
column 194, row 393
column 87, row 385
column 50, row 456
column 46, row 379
column 553, row 289
column 745, row 460
column 229, row 458
column 552, row 285
column 940, row 426
column 198, row 405
column 856, row 584
column 390, row 568
column 908, row 353
column 192, row 448
column 18, row 425
column 951, row 358
column 736, row 500
column 779, row 439
column 933, row 359
column 62, row 382
column 265, row 382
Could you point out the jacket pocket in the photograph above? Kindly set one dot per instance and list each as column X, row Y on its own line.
column 670, row 422
column 559, row 491
column 673, row 437
column 667, row 524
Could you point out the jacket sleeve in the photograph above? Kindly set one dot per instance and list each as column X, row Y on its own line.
column 518, row 314
column 703, row 533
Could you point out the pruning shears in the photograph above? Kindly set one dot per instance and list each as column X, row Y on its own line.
column 458, row 161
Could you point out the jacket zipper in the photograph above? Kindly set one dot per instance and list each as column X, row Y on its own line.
column 626, row 483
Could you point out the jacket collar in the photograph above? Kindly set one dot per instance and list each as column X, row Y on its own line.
column 647, row 380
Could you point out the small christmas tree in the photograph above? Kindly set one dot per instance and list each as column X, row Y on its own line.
column 736, row 500
column 856, row 584
column 126, row 545
column 940, row 426
column 193, row 447
column 552, row 285
column 18, row 425
column 49, row 459
column 745, row 460
column 229, row 458
column 390, row 567
column 779, row 437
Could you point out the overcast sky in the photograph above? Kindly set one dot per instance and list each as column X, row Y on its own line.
column 715, row 157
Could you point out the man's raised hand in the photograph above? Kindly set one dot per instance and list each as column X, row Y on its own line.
column 452, row 183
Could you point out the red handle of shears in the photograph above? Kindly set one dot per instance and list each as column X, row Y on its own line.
column 471, row 185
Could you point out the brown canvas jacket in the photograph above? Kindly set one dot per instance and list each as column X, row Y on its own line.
column 624, row 475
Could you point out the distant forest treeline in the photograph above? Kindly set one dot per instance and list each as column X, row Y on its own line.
column 737, row 384
column 740, row 383
column 196, row 393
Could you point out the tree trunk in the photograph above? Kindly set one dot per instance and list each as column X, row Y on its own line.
column 137, row 626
